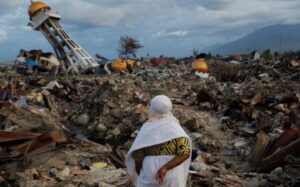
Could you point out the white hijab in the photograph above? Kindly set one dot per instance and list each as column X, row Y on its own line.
column 161, row 127
column 160, row 105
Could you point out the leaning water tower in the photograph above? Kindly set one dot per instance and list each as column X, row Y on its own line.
column 74, row 58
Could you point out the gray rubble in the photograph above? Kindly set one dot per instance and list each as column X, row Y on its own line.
column 96, row 117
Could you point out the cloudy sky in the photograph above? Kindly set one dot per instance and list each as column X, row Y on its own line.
column 169, row 27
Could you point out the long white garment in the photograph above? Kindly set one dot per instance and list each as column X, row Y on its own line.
column 153, row 133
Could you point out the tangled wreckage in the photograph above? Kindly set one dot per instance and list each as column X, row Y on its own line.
column 243, row 117
column 64, row 125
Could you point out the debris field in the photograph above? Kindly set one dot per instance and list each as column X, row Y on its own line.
column 65, row 130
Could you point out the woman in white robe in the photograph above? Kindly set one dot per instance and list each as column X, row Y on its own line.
column 164, row 170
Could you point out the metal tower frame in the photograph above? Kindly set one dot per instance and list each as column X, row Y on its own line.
column 75, row 59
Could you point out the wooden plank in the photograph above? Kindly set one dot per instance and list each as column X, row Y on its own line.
column 40, row 141
column 285, row 138
column 13, row 136
column 260, row 149
column 58, row 136
column 276, row 159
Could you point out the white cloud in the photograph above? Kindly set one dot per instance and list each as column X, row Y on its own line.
column 188, row 24
column 178, row 33
column 12, row 3
column 86, row 13
column 173, row 33
column 216, row 4
column 3, row 34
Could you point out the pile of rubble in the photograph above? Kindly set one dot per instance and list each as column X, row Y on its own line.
column 243, row 118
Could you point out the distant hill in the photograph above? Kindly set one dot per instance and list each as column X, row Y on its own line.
column 275, row 37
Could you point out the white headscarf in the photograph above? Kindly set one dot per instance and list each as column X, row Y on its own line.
column 160, row 105
column 161, row 127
